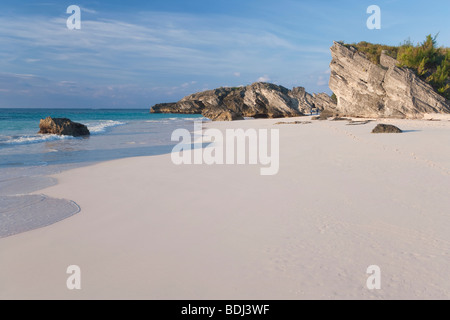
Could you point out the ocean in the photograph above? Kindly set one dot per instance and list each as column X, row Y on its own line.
column 114, row 134
column 27, row 158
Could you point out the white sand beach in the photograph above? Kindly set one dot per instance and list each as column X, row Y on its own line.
column 344, row 199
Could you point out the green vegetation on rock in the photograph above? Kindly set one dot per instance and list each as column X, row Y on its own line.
column 373, row 51
column 334, row 98
column 430, row 62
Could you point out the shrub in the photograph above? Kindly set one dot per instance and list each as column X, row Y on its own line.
column 430, row 62
column 334, row 98
column 373, row 51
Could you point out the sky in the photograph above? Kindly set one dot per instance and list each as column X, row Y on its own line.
column 134, row 54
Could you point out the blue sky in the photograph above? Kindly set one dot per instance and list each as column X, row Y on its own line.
column 133, row 54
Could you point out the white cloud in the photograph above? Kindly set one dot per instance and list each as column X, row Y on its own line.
column 184, row 44
column 188, row 84
column 150, row 50
column 84, row 9
column 322, row 81
column 264, row 78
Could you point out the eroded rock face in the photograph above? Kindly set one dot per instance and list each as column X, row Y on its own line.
column 259, row 100
column 62, row 126
column 219, row 114
column 323, row 102
column 365, row 89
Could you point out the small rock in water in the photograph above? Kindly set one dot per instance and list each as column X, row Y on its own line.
column 386, row 128
column 62, row 127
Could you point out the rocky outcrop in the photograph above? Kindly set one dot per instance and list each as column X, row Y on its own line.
column 221, row 114
column 62, row 126
column 324, row 102
column 386, row 128
column 364, row 89
column 259, row 100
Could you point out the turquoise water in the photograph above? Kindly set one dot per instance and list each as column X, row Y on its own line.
column 26, row 121
column 19, row 126
column 114, row 134
column 27, row 158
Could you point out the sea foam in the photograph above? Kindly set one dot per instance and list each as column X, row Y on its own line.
column 95, row 127
column 102, row 125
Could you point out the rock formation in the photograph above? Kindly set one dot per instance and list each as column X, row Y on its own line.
column 324, row 102
column 364, row 89
column 386, row 128
column 62, row 126
column 259, row 100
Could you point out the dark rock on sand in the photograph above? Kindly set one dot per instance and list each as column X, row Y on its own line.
column 326, row 114
column 386, row 128
column 63, row 127
column 294, row 122
column 358, row 123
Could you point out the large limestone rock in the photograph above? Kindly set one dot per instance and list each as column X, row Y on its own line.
column 259, row 100
column 219, row 114
column 189, row 107
column 323, row 102
column 62, row 126
column 364, row 89
column 304, row 99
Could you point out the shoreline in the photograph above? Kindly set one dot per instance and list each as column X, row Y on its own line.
column 344, row 199
column 27, row 167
